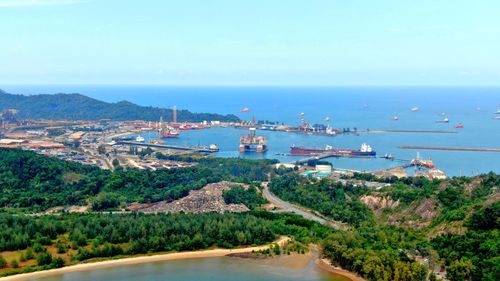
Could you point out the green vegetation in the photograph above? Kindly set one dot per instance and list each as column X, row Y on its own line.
column 412, row 224
column 330, row 198
column 28, row 180
column 476, row 254
column 374, row 253
column 453, row 221
column 62, row 106
column 232, row 169
column 83, row 237
column 247, row 197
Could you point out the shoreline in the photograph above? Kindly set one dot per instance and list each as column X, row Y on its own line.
column 139, row 260
column 327, row 265
column 323, row 264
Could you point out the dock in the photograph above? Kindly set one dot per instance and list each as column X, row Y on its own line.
column 328, row 155
column 477, row 149
column 200, row 149
column 407, row 131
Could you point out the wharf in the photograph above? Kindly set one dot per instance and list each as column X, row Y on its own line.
column 328, row 155
column 406, row 131
column 477, row 149
column 167, row 146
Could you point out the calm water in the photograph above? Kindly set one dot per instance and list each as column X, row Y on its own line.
column 348, row 107
column 205, row 269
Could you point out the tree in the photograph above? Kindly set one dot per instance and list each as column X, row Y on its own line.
column 14, row 263
column 57, row 262
column 3, row 262
column 115, row 162
column 460, row 270
column 44, row 259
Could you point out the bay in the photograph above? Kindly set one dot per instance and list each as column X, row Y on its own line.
column 348, row 107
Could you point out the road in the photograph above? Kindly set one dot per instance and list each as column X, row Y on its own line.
column 268, row 195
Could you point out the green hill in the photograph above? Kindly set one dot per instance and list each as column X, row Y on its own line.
column 80, row 107
column 450, row 224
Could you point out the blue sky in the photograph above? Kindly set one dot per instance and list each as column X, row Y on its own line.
column 254, row 42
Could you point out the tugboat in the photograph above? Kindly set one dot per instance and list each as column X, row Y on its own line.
column 395, row 118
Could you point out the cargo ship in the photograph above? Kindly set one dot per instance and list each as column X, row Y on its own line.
column 252, row 142
column 364, row 151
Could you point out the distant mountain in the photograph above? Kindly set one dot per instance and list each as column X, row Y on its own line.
column 80, row 107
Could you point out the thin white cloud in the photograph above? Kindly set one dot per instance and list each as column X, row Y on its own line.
column 32, row 3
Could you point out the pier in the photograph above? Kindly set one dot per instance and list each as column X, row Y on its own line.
column 328, row 155
column 168, row 146
column 407, row 131
column 477, row 149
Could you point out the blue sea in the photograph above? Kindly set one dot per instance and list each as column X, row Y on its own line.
column 348, row 107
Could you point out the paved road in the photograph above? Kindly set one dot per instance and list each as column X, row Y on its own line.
column 294, row 209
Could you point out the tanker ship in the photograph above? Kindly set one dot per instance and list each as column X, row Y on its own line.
column 252, row 142
column 365, row 151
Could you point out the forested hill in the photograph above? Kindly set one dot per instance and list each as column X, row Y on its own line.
column 80, row 107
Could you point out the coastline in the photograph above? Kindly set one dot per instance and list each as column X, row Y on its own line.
column 327, row 265
column 138, row 260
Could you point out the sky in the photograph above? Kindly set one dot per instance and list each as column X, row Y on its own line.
column 250, row 42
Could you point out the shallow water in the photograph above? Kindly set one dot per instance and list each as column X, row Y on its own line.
column 203, row 269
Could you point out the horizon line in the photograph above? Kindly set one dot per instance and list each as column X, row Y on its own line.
column 255, row 85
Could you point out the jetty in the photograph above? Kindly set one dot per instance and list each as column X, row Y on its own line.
column 477, row 149
column 328, row 155
column 407, row 131
column 200, row 149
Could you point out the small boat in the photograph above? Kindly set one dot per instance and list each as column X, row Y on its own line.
column 414, row 109
column 497, row 117
column 388, row 156
column 459, row 126
column 443, row 114
column 445, row 120
column 395, row 118
column 245, row 109
column 139, row 139
column 498, row 112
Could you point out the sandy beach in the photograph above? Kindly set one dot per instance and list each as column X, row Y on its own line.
column 327, row 265
column 142, row 259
